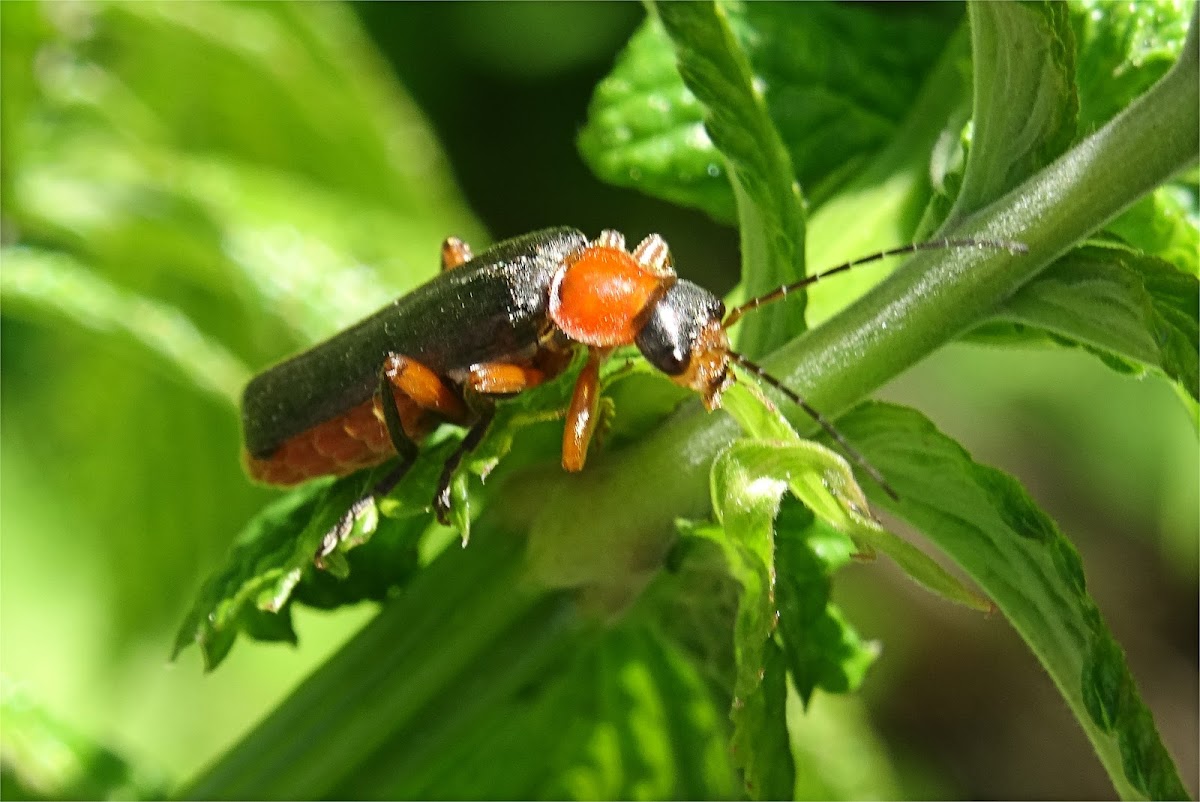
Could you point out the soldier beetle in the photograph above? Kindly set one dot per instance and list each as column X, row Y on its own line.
column 493, row 325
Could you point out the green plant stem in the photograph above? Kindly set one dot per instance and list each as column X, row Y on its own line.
column 933, row 300
column 395, row 675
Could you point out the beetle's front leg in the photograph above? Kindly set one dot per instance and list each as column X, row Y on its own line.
column 582, row 412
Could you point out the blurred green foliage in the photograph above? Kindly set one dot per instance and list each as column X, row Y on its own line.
column 185, row 206
column 192, row 190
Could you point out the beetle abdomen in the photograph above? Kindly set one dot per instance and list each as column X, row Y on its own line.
column 339, row 446
column 492, row 308
column 336, row 447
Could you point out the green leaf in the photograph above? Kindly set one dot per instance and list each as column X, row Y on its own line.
column 933, row 299
column 1163, row 224
column 746, row 503
column 24, row 31
column 821, row 648
column 645, row 130
column 1136, row 307
column 43, row 757
column 745, row 509
column 990, row 527
column 270, row 247
column 841, row 81
column 1025, row 102
column 300, row 92
column 749, row 479
column 838, row 80
column 759, row 742
column 272, row 563
column 857, row 98
column 694, row 602
column 1130, row 310
column 273, row 187
column 56, row 288
column 770, row 207
column 822, row 479
column 648, row 725
column 457, row 682
column 882, row 205
column 414, row 669
column 1123, row 49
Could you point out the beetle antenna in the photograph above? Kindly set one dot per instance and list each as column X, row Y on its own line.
column 736, row 313
column 821, row 420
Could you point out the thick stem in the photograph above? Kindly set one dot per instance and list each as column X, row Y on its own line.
column 932, row 300
column 377, row 694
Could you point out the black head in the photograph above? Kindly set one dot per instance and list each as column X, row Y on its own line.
column 670, row 334
column 683, row 338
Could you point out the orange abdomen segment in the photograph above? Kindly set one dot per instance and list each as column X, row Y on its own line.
column 350, row 442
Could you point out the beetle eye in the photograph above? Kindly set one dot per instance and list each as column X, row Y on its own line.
column 671, row 361
column 662, row 341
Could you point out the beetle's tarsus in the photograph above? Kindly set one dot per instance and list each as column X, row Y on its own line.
column 337, row 533
column 441, row 501
column 441, row 505
column 341, row 530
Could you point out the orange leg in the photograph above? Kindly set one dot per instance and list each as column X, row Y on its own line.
column 423, row 387
column 455, row 252
column 581, row 414
column 503, row 378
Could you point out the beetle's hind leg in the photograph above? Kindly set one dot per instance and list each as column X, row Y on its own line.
column 421, row 388
column 341, row 530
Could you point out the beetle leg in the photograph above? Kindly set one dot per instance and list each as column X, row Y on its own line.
column 503, row 378
column 653, row 253
column 441, row 501
column 455, row 252
column 485, row 379
column 341, row 530
column 581, row 414
column 610, row 238
column 423, row 387
column 405, row 448
column 400, row 380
